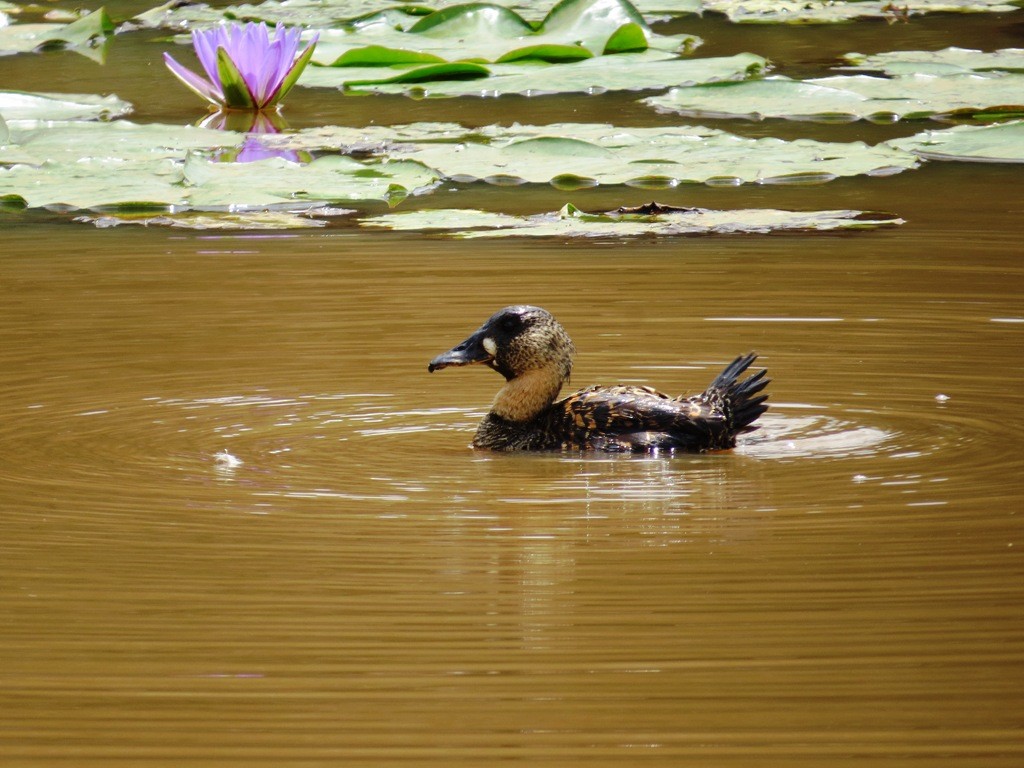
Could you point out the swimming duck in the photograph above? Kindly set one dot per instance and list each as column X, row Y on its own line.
column 533, row 352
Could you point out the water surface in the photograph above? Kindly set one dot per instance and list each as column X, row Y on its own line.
column 365, row 589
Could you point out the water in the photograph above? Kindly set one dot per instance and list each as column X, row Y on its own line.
column 365, row 589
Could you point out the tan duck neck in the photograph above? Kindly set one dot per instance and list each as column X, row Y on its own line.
column 525, row 396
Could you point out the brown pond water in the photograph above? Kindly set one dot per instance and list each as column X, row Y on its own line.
column 844, row 588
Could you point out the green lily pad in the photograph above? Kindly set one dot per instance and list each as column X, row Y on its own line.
column 1002, row 143
column 944, row 62
column 836, row 11
column 572, row 222
column 847, row 98
column 625, row 71
column 484, row 32
column 324, row 14
column 21, row 105
column 121, row 165
column 23, row 38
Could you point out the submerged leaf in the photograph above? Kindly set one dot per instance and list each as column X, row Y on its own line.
column 572, row 222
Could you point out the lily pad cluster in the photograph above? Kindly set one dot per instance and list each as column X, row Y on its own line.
column 122, row 165
column 573, row 155
column 75, row 152
column 328, row 13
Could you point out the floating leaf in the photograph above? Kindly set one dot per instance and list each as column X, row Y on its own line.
column 123, row 165
column 483, row 32
column 572, row 222
column 323, row 14
column 1003, row 143
column 944, row 62
column 247, row 220
column 329, row 13
column 625, row 71
column 850, row 97
column 835, row 11
column 21, row 105
column 649, row 157
column 23, row 38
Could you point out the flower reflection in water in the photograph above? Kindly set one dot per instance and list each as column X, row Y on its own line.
column 253, row 124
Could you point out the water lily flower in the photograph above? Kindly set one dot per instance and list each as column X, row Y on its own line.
column 245, row 69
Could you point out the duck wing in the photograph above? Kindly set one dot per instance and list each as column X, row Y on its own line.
column 631, row 418
column 637, row 419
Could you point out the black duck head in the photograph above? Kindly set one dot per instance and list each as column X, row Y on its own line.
column 515, row 341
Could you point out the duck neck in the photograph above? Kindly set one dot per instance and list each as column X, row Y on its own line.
column 526, row 396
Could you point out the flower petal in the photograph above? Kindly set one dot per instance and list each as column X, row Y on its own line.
column 236, row 92
column 293, row 73
column 193, row 81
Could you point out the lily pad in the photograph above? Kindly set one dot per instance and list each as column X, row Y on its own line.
column 572, row 222
column 577, row 155
column 836, row 11
column 123, row 165
column 1002, row 143
column 322, row 14
column 944, row 62
column 847, row 98
column 23, row 38
column 21, row 105
column 245, row 220
column 329, row 13
column 626, row 71
column 484, row 32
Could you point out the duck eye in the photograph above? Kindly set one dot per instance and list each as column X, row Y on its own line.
column 510, row 324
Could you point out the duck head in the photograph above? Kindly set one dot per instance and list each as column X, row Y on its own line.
column 528, row 347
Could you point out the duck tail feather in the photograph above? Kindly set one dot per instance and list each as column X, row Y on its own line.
column 743, row 402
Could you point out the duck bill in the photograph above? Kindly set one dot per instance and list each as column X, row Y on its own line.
column 471, row 351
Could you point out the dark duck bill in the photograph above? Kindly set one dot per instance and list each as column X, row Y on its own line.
column 533, row 352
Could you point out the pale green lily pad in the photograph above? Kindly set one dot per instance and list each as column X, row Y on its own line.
column 654, row 158
column 21, row 105
column 1002, row 143
column 836, row 11
column 123, row 165
column 246, row 220
column 626, row 71
column 944, row 62
column 572, row 222
column 23, row 38
column 850, row 97
column 572, row 155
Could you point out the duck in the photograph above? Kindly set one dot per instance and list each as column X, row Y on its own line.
column 534, row 353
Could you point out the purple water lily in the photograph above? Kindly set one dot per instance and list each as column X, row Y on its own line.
column 246, row 69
